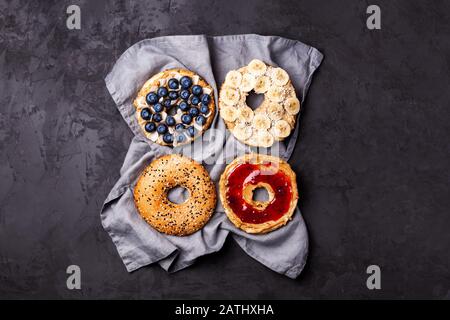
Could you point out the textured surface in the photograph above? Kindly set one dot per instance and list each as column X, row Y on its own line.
column 372, row 157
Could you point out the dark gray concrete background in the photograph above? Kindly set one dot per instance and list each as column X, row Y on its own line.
column 372, row 158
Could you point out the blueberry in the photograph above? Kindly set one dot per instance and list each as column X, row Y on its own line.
column 186, row 82
column 152, row 98
column 167, row 103
column 173, row 95
column 168, row 138
column 170, row 121
column 173, row 83
column 184, row 94
column 204, row 109
column 150, row 127
column 197, row 90
column 201, row 120
column 193, row 111
column 162, row 128
column 158, row 107
column 184, row 106
column 181, row 138
column 157, row 117
column 195, row 100
column 162, row 91
column 179, row 127
column 191, row 131
column 206, row 99
column 146, row 114
column 185, row 118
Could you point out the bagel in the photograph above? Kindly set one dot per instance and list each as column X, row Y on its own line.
column 274, row 119
column 174, row 107
column 164, row 174
column 249, row 172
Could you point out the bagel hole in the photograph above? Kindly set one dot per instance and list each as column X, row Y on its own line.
column 178, row 195
column 260, row 194
column 254, row 100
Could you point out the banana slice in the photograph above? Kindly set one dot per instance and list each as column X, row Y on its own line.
column 279, row 76
column 275, row 93
column 247, row 83
column 281, row 129
column 262, row 84
column 229, row 113
column 229, row 96
column 242, row 133
column 257, row 67
column 245, row 114
column 261, row 121
column 290, row 119
column 275, row 111
column 233, row 79
column 292, row 106
column 264, row 138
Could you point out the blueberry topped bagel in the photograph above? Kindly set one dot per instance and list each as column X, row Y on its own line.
column 174, row 107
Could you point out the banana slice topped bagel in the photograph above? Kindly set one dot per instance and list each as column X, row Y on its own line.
column 274, row 119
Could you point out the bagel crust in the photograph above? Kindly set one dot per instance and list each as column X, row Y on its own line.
column 262, row 222
column 164, row 174
column 161, row 80
column 274, row 119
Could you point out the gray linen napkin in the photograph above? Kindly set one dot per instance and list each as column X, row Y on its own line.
column 284, row 250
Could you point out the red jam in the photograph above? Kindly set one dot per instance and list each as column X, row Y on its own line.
column 246, row 173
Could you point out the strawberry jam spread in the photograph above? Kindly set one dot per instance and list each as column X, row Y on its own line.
column 247, row 173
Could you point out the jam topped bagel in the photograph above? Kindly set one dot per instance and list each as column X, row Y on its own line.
column 174, row 107
column 240, row 180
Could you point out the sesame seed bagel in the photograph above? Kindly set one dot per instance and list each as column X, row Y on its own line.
column 164, row 174
column 246, row 174
column 174, row 107
column 271, row 121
